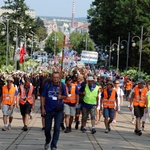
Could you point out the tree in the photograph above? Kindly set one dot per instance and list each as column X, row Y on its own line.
column 19, row 20
column 81, row 42
column 51, row 46
column 41, row 30
column 110, row 19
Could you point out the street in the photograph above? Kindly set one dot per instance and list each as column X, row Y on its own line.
column 121, row 136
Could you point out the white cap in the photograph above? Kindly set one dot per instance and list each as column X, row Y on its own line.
column 90, row 78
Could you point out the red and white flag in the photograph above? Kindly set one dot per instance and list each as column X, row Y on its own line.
column 22, row 53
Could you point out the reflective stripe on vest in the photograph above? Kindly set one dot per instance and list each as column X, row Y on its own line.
column 23, row 97
column 139, row 100
column 8, row 96
column 109, row 103
column 90, row 97
column 73, row 97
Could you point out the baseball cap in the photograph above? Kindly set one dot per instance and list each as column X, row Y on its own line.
column 140, row 81
column 90, row 78
column 10, row 79
column 110, row 83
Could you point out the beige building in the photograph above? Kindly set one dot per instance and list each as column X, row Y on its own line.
column 30, row 12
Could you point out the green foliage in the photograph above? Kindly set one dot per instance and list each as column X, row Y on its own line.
column 2, row 54
column 54, row 38
column 10, row 68
column 41, row 30
column 133, row 74
column 110, row 19
column 79, row 42
column 26, row 26
column 28, row 63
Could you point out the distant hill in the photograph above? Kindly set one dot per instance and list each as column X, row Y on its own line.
column 82, row 19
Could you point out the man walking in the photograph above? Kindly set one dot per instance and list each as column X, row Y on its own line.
column 26, row 101
column 52, row 107
column 89, row 103
column 139, row 102
column 9, row 93
column 70, row 103
column 108, row 101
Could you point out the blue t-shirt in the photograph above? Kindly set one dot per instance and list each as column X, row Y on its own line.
column 109, row 94
column 50, row 92
column 91, row 89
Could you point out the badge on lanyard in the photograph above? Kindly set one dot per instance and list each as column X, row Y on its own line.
column 54, row 98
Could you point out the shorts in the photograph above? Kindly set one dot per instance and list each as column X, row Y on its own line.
column 146, row 115
column 25, row 109
column 6, row 110
column 87, row 111
column 109, row 112
column 138, row 111
column 68, row 110
column 127, row 92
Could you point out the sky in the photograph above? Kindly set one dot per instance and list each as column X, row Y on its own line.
column 60, row 8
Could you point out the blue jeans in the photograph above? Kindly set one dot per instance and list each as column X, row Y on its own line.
column 108, row 112
column 57, row 116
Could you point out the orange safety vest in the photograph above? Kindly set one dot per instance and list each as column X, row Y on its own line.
column 139, row 99
column 72, row 98
column 109, row 103
column 128, row 85
column 8, row 96
column 23, row 97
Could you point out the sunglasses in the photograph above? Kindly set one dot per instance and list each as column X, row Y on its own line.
column 117, row 83
column 8, row 81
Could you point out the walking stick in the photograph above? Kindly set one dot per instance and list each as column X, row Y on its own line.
column 61, row 68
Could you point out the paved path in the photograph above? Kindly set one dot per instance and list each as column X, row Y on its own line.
column 121, row 136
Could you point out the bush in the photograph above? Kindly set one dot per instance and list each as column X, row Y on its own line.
column 133, row 74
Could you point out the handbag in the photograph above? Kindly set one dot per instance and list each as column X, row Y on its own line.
column 59, row 108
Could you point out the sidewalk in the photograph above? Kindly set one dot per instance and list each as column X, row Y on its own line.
column 121, row 136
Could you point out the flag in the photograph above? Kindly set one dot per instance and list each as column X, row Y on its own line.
column 22, row 53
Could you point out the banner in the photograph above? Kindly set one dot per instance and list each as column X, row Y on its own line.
column 89, row 57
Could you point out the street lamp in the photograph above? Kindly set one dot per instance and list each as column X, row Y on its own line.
column 15, row 39
column 32, row 42
column 128, row 45
column 140, row 49
column 118, row 49
column 106, row 49
column 110, row 50
column 55, row 39
column 86, row 42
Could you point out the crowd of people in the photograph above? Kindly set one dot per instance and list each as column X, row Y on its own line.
column 76, row 95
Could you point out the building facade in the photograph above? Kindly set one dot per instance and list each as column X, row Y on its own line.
column 29, row 12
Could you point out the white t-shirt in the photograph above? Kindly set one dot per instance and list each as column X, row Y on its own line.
column 119, row 93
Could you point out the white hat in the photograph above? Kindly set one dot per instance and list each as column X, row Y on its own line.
column 10, row 79
column 90, row 78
